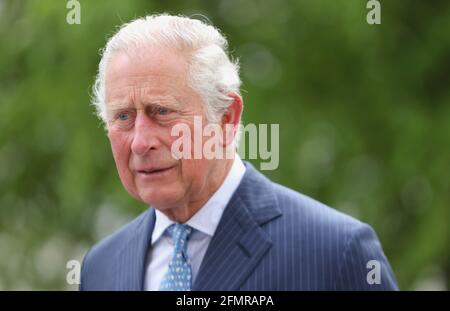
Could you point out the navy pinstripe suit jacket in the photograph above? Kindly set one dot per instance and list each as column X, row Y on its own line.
column 269, row 238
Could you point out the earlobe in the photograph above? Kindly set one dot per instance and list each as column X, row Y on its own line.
column 229, row 131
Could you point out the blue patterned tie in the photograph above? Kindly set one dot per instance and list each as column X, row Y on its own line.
column 179, row 274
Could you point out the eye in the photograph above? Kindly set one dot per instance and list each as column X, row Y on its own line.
column 123, row 116
column 163, row 111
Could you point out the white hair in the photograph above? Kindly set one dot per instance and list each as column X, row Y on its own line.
column 211, row 72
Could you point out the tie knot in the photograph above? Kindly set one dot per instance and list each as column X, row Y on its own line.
column 179, row 233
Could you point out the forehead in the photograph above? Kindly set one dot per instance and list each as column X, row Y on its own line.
column 147, row 72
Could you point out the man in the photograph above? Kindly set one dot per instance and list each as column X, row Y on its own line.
column 214, row 223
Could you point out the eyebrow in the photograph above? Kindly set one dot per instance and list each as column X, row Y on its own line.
column 118, row 105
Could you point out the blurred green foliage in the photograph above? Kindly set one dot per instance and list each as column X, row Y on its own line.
column 364, row 114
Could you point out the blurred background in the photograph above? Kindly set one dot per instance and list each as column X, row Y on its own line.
column 364, row 114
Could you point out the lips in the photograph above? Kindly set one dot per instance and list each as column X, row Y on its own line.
column 149, row 171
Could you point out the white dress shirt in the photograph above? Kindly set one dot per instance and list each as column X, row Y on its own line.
column 204, row 224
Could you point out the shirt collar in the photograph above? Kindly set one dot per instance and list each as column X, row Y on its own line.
column 207, row 218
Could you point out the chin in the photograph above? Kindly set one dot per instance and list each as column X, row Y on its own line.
column 159, row 199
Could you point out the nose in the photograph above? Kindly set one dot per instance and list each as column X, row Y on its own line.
column 145, row 136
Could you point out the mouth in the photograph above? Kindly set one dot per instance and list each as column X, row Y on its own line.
column 154, row 172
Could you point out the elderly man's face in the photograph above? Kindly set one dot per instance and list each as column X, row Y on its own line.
column 146, row 96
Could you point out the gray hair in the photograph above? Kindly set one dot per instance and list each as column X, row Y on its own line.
column 212, row 73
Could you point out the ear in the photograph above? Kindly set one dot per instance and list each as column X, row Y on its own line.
column 231, row 118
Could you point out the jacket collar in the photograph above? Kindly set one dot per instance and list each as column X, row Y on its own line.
column 239, row 243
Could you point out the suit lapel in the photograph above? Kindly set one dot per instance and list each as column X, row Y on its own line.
column 130, row 269
column 239, row 242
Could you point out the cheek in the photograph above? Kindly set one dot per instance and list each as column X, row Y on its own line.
column 195, row 173
column 120, row 145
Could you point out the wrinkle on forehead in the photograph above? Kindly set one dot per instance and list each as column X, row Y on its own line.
column 159, row 76
column 137, row 64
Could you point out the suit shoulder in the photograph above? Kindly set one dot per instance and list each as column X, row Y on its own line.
column 309, row 211
column 337, row 245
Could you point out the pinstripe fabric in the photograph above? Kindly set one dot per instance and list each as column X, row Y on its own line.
column 117, row 262
column 269, row 238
